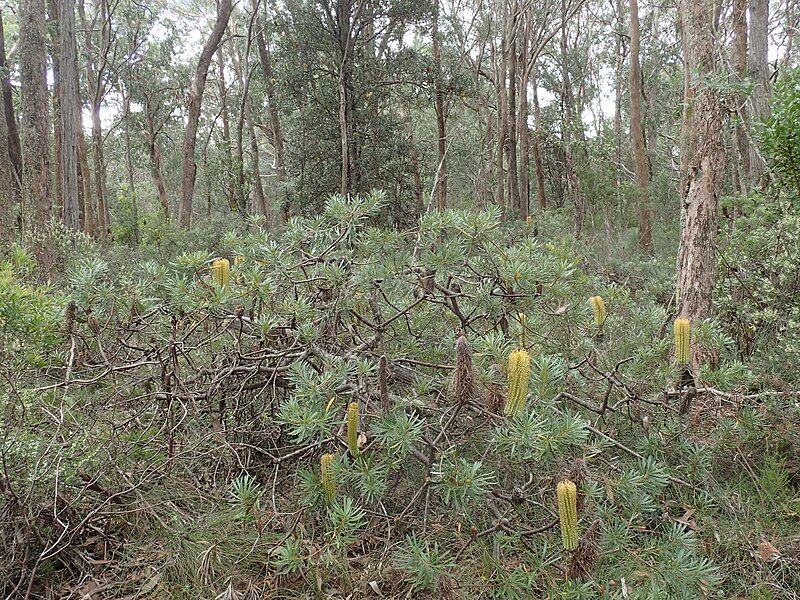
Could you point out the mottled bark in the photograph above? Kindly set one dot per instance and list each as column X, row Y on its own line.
column 705, row 168
column 759, row 74
column 34, row 127
column 69, row 101
column 6, row 193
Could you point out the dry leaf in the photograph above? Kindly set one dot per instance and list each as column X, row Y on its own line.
column 767, row 551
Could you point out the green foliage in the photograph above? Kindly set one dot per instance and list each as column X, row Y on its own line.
column 425, row 563
column 204, row 411
column 781, row 133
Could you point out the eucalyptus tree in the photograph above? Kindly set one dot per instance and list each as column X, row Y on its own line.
column 35, row 130
column 193, row 104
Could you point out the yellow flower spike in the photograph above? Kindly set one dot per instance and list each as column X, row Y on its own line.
column 567, row 497
column 237, row 260
column 683, row 335
column 221, row 271
column 519, row 373
column 599, row 310
column 352, row 428
column 327, row 476
column 523, row 326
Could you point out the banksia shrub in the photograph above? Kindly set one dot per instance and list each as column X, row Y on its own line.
column 567, row 496
column 221, row 271
column 599, row 309
column 519, row 372
column 682, row 340
column 464, row 381
column 327, row 476
column 352, row 428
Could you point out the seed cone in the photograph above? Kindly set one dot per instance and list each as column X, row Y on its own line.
column 682, row 341
column 352, row 428
column 70, row 314
column 599, row 309
column 327, row 476
column 221, row 271
column 519, row 373
column 566, row 494
column 464, row 381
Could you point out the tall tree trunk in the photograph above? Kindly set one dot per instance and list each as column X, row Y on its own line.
column 441, row 117
column 6, row 192
column 739, row 60
column 619, row 60
column 274, row 118
column 156, row 160
column 523, row 133
column 195, row 99
column 230, row 185
column 645, row 238
column 54, row 26
column 345, row 41
column 89, row 223
column 759, row 73
column 69, row 100
column 541, row 198
column 242, row 69
column 419, row 196
column 567, row 99
column 255, row 162
column 126, row 104
column 96, row 92
column 502, row 125
column 697, row 251
column 34, row 127
column 513, row 176
column 10, row 117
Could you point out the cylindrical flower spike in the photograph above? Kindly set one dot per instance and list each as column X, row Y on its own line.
column 352, row 428
column 523, row 327
column 599, row 310
column 327, row 476
column 683, row 336
column 567, row 496
column 221, row 271
column 519, row 373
